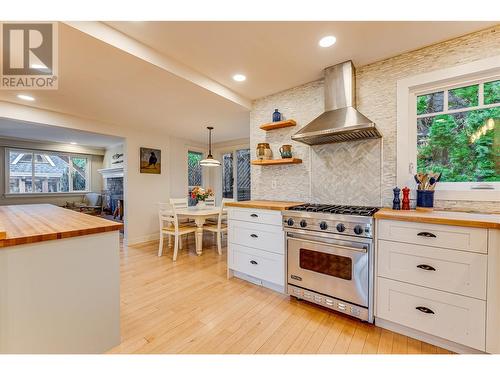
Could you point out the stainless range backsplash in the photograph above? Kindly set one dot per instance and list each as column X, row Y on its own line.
column 347, row 173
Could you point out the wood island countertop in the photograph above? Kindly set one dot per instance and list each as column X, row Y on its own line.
column 31, row 223
column 464, row 219
column 264, row 205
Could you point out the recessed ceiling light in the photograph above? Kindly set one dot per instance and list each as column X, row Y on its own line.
column 239, row 77
column 73, row 143
column 26, row 97
column 327, row 41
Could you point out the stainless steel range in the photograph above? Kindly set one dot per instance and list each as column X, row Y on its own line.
column 330, row 256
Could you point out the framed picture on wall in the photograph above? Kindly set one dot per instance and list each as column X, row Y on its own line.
column 150, row 160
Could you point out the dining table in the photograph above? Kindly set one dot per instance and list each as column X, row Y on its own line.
column 199, row 215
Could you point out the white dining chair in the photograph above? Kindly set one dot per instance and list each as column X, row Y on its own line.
column 170, row 226
column 180, row 203
column 218, row 228
column 210, row 202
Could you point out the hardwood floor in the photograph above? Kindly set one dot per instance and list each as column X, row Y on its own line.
column 190, row 307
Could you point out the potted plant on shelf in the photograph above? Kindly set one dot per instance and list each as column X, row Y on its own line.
column 201, row 195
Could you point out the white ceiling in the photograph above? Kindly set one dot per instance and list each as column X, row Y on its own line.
column 279, row 55
column 42, row 132
column 98, row 81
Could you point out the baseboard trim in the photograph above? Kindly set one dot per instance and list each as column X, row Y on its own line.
column 142, row 239
column 430, row 339
column 259, row 282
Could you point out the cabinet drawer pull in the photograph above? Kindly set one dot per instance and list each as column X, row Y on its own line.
column 253, row 262
column 425, row 310
column 254, row 215
column 254, row 235
column 427, row 234
column 426, row 267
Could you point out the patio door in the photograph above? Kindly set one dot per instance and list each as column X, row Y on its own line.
column 236, row 175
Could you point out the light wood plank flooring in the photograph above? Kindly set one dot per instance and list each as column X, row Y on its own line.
column 190, row 307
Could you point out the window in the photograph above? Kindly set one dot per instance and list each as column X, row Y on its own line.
column 195, row 175
column 449, row 122
column 457, row 133
column 31, row 172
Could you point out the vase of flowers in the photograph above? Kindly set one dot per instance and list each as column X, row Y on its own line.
column 201, row 195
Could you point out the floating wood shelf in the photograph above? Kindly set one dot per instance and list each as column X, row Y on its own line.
column 277, row 161
column 278, row 125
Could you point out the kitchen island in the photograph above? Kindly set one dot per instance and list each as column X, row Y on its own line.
column 59, row 281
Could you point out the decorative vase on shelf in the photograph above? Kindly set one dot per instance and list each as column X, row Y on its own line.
column 264, row 151
column 286, row 151
column 276, row 116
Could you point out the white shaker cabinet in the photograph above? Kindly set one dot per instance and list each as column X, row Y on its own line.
column 439, row 283
column 256, row 246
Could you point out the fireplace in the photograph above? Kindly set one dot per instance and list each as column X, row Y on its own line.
column 113, row 191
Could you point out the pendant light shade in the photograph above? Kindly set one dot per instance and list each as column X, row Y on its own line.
column 210, row 161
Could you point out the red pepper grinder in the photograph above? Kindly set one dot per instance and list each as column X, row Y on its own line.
column 406, row 199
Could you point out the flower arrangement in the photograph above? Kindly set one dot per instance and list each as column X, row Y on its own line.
column 201, row 194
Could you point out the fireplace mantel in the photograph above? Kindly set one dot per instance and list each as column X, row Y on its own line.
column 111, row 172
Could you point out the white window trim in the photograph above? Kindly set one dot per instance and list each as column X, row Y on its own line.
column 88, row 185
column 407, row 90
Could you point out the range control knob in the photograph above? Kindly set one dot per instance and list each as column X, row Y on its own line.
column 323, row 225
column 358, row 229
column 340, row 227
column 289, row 222
column 303, row 223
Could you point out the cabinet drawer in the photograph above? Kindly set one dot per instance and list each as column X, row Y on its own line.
column 447, row 236
column 260, row 236
column 255, row 216
column 449, row 316
column 260, row 264
column 448, row 270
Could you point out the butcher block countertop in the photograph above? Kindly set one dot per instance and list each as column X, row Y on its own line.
column 31, row 223
column 464, row 219
column 264, row 205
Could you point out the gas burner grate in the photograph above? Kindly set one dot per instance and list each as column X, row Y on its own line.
column 336, row 209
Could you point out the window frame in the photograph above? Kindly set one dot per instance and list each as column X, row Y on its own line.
column 203, row 175
column 88, row 172
column 408, row 90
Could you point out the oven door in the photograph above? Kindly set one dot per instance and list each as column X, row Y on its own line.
column 332, row 267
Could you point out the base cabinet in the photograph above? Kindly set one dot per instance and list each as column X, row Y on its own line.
column 256, row 247
column 449, row 316
column 442, row 285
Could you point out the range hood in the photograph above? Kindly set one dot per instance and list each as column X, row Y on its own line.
column 341, row 121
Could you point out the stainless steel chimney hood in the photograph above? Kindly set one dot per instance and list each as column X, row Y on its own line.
column 341, row 121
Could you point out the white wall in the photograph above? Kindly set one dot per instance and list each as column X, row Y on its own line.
column 95, row 178
column 108, row 155
column 142, row 191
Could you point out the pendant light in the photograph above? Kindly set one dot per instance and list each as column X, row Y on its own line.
column 210, row 161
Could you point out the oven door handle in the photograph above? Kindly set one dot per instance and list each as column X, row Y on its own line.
column 364, row 249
